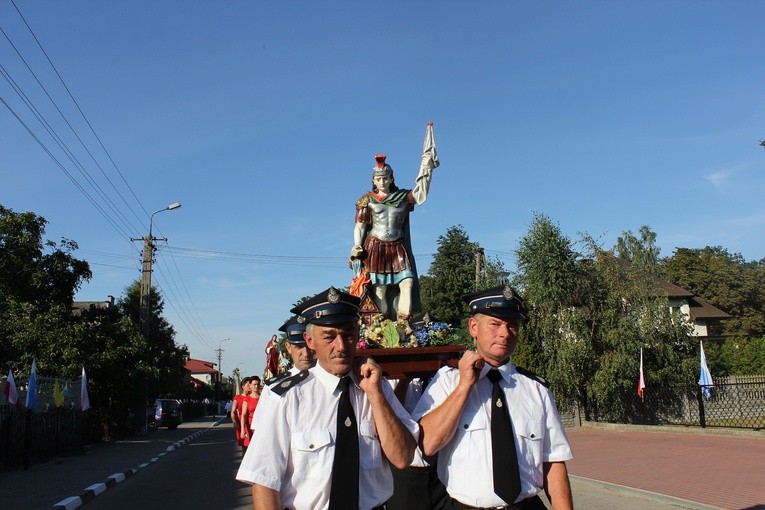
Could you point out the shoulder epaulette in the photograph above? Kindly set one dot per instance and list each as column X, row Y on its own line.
column 276, row 378
column 531, row 375
column 363, row 201
column 282, row 386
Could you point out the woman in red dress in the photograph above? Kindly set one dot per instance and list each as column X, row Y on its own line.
column 236, row 410
column 248, row 409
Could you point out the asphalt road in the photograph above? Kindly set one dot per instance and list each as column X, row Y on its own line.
column 201, row 475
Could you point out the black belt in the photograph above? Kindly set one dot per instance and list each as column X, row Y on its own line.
column 528, row 503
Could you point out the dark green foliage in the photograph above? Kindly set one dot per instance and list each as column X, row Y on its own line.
column 726, row 281
column 590, row 316
column 736, row 356
column 38, row 281
column 165, row 359
column 451, row 274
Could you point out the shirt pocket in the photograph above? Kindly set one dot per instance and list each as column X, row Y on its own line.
column 470, row 433
column 370, row 455
column 530, row 443
column 311, row 452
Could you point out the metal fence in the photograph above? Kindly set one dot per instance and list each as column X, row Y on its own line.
column 734, row 402
column 27, row 437
column 52, row 431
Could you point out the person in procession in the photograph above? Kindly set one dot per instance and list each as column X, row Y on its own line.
column 302, row 357
column 495, row 427
column 236, row 411
column 335, row 451
column 249, row 404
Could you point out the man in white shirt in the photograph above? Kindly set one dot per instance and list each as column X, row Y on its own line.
column 302, row 357
column 292, row 465
column 457, row 411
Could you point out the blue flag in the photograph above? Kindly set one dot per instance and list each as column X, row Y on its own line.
column 31, row 402
column 705, row 377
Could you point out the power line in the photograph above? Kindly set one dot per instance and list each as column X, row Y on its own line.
column 101, row 201
column 191, row 321
column 62, row 145
column 87, row 121
column 66, row 172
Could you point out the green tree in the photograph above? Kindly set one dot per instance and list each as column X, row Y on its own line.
column 111, row 349
column 556, row 341
column 726, row 281
column 589, row 316
column 642, row 251
column 38, row 280
column 451, row 274
column 165, row 359
column 736, row 356
column 632, row 314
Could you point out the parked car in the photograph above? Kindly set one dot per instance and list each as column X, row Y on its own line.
column 167, row 413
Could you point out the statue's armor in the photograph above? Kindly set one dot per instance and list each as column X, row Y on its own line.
column 387, row 221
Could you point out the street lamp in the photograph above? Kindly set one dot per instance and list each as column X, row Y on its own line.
column 174, row 205
column 145, row 303
column 220, row 370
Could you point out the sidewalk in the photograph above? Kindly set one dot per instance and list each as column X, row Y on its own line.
column 724, row 469
column 44, row 485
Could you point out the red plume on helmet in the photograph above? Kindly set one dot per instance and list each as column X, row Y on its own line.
column 381, row 167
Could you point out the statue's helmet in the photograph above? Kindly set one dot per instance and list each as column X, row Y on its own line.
column 381, row 167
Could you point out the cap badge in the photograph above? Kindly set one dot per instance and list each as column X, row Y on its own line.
column 300, row 319
column 333, row 296
column 508, row 293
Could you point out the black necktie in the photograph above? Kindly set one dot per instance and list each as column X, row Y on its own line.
column 344, row 494
column 507, row 479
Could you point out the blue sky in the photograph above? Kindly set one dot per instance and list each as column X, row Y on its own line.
column 262, row 119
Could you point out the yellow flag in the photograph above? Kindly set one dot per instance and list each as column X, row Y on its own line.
column 58, row 395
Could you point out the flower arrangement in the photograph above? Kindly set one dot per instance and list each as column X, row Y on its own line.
column 434, row 333
column 385, row 333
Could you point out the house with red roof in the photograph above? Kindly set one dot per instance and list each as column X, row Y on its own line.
column 202, row 372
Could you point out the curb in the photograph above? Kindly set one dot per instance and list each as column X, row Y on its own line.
column 653, row 496
column 752, row 433
column 94, row 490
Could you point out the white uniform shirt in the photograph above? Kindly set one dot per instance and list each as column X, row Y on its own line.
column 294, row 447
column 464, row 464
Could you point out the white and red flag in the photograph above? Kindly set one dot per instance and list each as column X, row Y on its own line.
column 641, row 380
column 10, row 390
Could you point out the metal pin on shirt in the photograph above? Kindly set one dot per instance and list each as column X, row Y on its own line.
column 499, row 403
column 348, row 422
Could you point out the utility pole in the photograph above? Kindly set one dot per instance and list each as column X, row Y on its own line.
column 220, row 355
column 220, row 370
column 146, row 269
column 478, row 266
column 147, row 262
column 145, row 308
